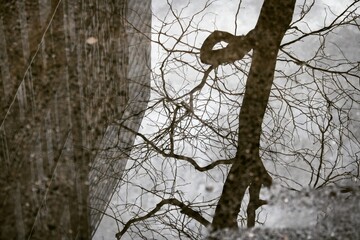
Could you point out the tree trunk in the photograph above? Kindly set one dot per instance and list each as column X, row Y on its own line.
column 248, row 169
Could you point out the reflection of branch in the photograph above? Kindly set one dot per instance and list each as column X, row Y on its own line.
column 202, row 83
column 330, row 27
column 185, row 209
column 198, row 87
column 236, row 49
column 190, row 110
column 307, row 64
column 254, row 203
column 180, row 157
column 322, row 146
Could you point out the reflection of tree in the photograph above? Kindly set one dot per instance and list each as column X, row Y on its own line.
column 247, row 169
column 228, row 133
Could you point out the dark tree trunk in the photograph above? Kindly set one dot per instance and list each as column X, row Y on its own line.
column 248, row 169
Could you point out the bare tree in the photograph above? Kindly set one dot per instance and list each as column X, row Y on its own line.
column 225, row 113
column 247, row 169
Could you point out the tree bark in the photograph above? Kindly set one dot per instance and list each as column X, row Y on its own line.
column 248, row 169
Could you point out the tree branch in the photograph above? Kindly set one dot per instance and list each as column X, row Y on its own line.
column 180, row 157
column 236, row 49
column 185, row 209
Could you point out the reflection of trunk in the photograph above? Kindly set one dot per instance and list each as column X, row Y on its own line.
column 248, row 170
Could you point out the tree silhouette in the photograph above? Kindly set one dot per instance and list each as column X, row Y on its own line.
column 247, row 169
column 229, row 120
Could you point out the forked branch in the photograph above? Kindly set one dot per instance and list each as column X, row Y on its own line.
column 185, row 209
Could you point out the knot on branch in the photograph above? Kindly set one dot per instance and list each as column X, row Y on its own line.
column 236, row 49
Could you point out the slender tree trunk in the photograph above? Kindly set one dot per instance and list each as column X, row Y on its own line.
column 248, row 169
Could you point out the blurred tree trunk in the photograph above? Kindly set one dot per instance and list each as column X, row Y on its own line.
column 248, row 170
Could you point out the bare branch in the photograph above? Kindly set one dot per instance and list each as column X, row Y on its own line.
column 185, row 209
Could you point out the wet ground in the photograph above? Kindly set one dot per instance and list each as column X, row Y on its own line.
column 336, row 211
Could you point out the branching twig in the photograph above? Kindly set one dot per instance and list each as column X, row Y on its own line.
column 185, row 209
column 180, row 157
